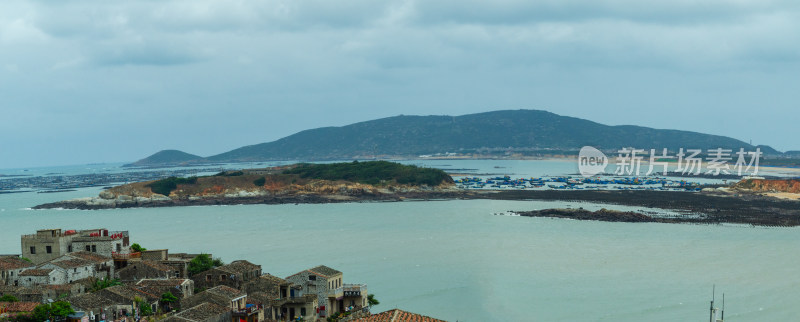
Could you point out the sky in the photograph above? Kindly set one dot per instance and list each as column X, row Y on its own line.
column 115, row 81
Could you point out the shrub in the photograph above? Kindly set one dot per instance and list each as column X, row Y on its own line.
column 165, row 186
column 372, row 172
column 260, row 182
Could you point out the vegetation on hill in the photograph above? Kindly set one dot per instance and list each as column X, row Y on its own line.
column 372, row 172
column 165, row 186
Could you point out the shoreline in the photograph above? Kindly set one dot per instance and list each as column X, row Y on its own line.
column 739, row 208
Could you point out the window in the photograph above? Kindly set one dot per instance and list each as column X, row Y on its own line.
column 94, row 249
column 222, row 277
column 88, row 248
column 208, row 277
column 119, row 248
column 69, row 249
column 74, row 270
column 312, row 277
column 49, row 249
column 302, row 311
column 33, row 249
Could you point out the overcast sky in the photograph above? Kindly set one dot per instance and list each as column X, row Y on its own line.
column 111, row 81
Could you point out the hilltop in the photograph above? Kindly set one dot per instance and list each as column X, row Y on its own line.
column 525, row 132
column 173, row 157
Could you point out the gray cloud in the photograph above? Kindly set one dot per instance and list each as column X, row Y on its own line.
column 89, row 72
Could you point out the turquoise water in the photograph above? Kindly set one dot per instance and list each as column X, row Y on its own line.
column 456, row 260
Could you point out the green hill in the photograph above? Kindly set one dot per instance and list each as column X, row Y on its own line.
column 517, row 130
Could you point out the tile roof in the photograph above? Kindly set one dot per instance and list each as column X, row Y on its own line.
column 36, row 272
column 70, row 263
column 158, row 266
column 170, row 282
column 152, row 264
column 239, row 267
column 325, row 271
column 89, row 256
column 19, row 306
column 203, row 312
column 90, row 301
column 226, row 291
column 397, row 315
column 9, row 263
column 130, row 293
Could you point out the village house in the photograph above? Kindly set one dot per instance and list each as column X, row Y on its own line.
column 10, row 267
column 138, row 270
column 41, row 276
column 333, row 296
column 104, row 265
column 73, row 269
column 281, row 299
column 48, row 244
column 235, row 300
column 235, row 274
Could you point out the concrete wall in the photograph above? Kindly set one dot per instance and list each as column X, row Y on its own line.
column 73, row 274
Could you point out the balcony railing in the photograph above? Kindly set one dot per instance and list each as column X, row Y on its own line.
column 347, row 290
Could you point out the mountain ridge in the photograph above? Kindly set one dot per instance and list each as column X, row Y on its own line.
column 518, row 131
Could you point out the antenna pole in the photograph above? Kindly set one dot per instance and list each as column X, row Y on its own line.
column 723, row 306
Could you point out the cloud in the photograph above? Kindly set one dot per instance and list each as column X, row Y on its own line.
column 282, row 66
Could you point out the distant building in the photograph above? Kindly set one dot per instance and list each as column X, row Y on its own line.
column 333, row 296
column 48, row 244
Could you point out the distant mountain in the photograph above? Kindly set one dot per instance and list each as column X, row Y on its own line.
column 519, row 131
column 792, row 154
column 491, row 131
column 173, row 157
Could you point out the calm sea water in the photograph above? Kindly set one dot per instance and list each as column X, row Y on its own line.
column 456, row 260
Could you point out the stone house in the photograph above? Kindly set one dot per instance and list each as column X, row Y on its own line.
column 48, row 244
column 179, row 263
column 333, row 296
column 137, row 270
column 104, row 265
column 10, row 267
column 74, row 268
column 41, row 276
column 234, row 275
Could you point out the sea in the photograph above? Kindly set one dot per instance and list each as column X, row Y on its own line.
column 467, row 260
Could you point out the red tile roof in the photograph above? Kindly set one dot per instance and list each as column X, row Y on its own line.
column 398, row 315
column 19, row 306
column 9, row 263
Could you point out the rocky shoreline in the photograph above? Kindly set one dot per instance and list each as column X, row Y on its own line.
column 606, row 215
column 740, row 208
